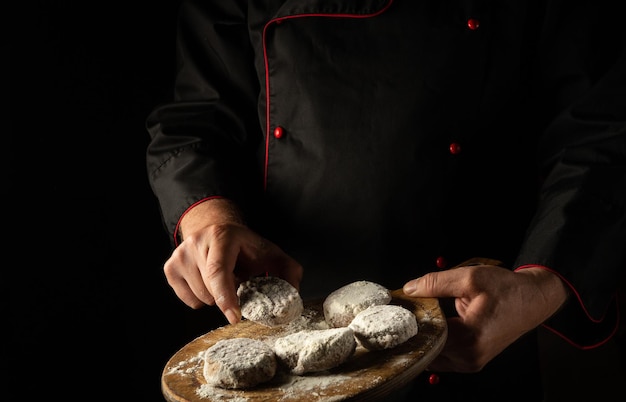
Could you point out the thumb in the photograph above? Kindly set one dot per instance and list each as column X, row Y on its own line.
column 435, row 284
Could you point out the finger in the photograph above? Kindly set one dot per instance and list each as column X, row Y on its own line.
column 188, row 296
column 219, row 277
column 441, row 363
column 459, row 352
column 183, row 275
column 289, row 269
column 199, row 289
column 183, row 292
column 293, row 274
column 261, row 256
column 449, row 283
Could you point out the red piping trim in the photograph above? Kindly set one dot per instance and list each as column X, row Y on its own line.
column 176, row 230
column 561, row 335
column 267, row 75
column 569, row 285
column 583, row 347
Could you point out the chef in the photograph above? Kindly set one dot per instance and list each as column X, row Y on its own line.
column 328, row 141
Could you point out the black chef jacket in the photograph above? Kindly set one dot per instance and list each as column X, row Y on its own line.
column 382, row 139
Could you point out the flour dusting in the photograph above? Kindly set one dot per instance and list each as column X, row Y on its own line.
column 310, row 319
column 315, row 350
column 188, row 366
column 384, row 326
column 341, row 306
column 270, row 301
column 207, row 391
column 315, row 386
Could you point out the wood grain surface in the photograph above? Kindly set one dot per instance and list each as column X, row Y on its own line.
column 366, row 376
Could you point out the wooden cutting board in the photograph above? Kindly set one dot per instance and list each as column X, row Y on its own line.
column 366, row 376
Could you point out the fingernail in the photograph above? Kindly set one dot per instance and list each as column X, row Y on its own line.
column 233, row 316
column 410, row 287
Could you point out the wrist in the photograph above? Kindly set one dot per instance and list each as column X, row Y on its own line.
column 209, row 212
column 552, row 291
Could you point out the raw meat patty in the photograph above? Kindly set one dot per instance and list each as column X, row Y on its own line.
column 239, row 363
column 315, row 350
column 342, row 305
column 270, row 301
column 384, row 326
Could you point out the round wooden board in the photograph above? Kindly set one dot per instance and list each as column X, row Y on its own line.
column 366, row 376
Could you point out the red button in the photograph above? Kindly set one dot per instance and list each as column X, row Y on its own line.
column 278, row 132
column 455, row 148
column 473, row 24
column 433, row 379
column 441, row 262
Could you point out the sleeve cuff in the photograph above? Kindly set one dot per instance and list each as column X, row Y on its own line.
column 575, row 325
column 177, row 239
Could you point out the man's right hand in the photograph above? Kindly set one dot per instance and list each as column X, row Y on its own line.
column 217, row 253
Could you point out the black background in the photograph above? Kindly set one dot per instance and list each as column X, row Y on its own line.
column 91, row 315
